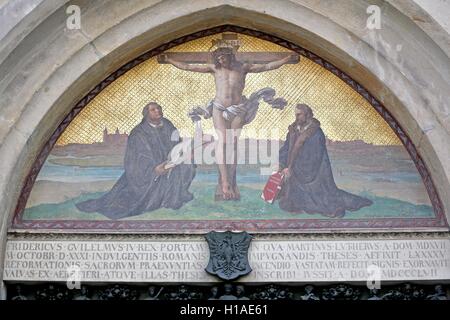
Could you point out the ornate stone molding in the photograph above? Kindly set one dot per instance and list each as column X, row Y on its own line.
column 257, row 236
column 227, row 291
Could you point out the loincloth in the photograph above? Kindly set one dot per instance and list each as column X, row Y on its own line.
column 246, row 110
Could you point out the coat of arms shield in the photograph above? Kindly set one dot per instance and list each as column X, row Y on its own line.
column 228, row 254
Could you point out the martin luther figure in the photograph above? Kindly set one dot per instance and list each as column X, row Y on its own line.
column 146, row 184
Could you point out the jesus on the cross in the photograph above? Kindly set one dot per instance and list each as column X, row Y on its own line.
column 229, row 109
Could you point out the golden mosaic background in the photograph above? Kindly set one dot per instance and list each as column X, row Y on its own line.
column 343, row 113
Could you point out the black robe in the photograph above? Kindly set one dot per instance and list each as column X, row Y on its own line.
column 139, row 189
column 311, row 187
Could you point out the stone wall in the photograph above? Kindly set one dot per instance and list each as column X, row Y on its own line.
column 46, row 68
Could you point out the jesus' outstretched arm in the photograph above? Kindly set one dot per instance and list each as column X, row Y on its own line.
column 255, row 68
column 187, row 66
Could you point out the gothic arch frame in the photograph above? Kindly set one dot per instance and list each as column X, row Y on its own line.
column 439, row 222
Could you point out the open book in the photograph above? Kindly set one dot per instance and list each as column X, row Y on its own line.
column 178, row 154
column 183, row 151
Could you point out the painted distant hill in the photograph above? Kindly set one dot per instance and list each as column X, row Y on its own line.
column 384, row 171
column 110, row 152
column 113, row 144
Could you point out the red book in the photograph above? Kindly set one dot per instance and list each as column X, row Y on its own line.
column 272, row 188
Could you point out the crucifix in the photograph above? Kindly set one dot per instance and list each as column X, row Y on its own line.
column 229, row 109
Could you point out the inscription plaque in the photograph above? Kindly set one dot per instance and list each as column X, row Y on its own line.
column 185, row 261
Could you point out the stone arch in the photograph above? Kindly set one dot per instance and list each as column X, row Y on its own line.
column 46, row 69
column 437, row 222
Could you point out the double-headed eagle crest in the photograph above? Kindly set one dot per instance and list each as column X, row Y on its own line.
column 228, row 254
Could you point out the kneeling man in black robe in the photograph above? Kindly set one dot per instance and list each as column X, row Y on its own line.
column 309, row 186
column 146, row 184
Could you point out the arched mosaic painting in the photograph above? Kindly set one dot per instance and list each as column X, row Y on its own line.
column 302, row 149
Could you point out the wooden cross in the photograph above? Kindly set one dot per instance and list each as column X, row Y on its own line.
column 231, row 40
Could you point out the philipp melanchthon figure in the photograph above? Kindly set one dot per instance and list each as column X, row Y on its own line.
column 146, row 185
column 309, row 185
